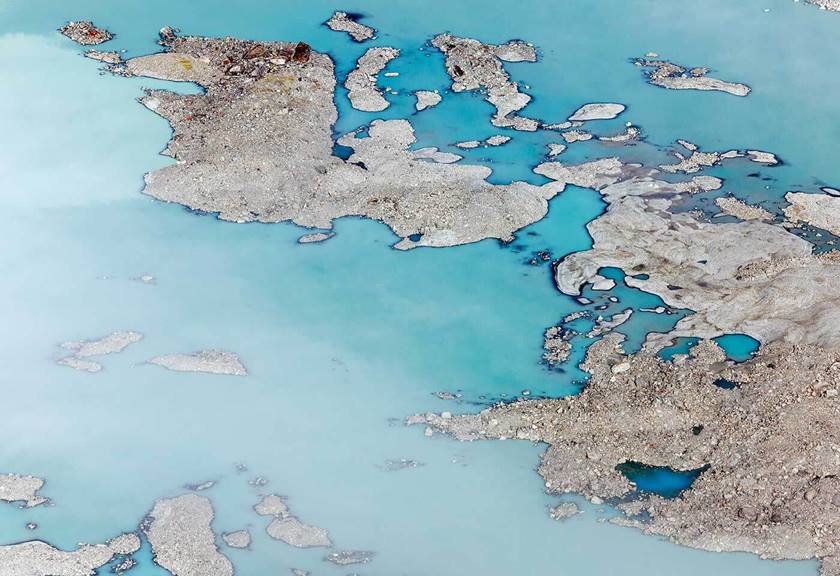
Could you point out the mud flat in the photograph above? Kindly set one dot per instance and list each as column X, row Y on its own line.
column 21, row 488
column 209, row 361
column 344, row 22
column 672, row 76
column 37, row 558
column 182, row 539
column 361, row 83
column 113, row 343
column 427, row 99
column 731, row 206
column 85, row 33
column 820, row 210
column 475, row 66
column 597, row 111
column 766, row 451
column 257, row 146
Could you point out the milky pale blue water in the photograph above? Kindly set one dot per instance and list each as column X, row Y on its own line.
column 342, row 337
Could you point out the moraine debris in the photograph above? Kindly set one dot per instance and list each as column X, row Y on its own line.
column 288, row 528
column 37, row 558
column 435, row 155
column 363, row 93
column 767, row 482
column 473, row 65
column 630, row 134
column 672, row 76
column 349, row 23
column 106, row 57
column 348, row 557
column 239, row 539
column 427, row 99
column 207, row 361
column 573, row 136
column 295, row 533
column 113, row 343
column 182, row 538
column 597, row 111
column 818, row 210
column 497, row 140
column 85, row 33
column 432, row 204
column 731, row 206
column 564, row 510
column 315, row 237
column 23, row 489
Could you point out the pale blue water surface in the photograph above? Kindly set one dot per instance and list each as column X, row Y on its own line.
column 343, row 337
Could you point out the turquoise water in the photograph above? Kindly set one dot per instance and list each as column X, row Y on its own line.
column 342, row 338
column 659, row 480
column 738, row 347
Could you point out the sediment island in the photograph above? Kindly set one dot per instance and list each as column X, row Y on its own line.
column 760, row 435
